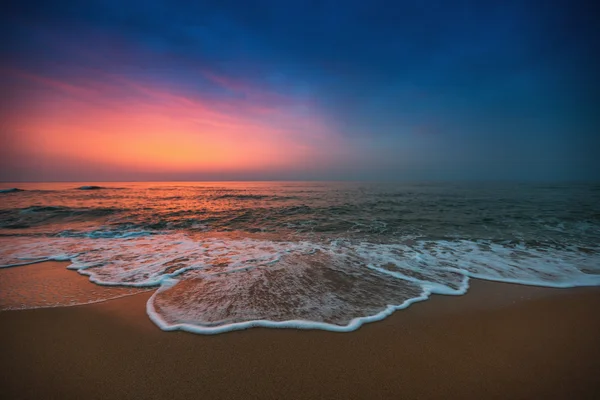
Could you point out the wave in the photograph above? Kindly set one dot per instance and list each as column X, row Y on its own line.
column 37, row 216
column 86, row 187
column 242, row 196
column 16, row 225
column 61, row 210
column 217, row 284
column 255, row 197
column 93, row 187
column 11, row 190
column 90, row 188
column 105, row 234
column 43, row 209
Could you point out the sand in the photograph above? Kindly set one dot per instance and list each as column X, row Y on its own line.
column 50, row 284
column 499, row 341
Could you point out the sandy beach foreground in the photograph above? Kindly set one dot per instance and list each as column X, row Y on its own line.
column 499, row 341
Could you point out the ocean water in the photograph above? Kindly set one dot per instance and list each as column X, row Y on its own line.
column 228, row 255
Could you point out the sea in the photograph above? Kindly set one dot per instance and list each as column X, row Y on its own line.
column 223, row 256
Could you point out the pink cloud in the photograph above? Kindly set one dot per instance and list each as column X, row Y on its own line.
column 133, row 124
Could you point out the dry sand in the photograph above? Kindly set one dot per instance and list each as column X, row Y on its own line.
column 499, row 341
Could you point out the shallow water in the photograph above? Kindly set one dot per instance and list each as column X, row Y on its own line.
column 303, row 254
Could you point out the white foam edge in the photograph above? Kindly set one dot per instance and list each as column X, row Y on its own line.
column 166, row 281
column 436, row 288
column 76, row 304
column 582, row 280
column 29, row 261
column 82, row 269
column 591, row 280
column 355, row 323
column 429, row 288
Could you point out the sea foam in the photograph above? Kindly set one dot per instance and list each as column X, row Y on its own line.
column 215, row 285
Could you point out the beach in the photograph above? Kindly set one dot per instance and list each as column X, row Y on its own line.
column 280, row 200
column 498, row 341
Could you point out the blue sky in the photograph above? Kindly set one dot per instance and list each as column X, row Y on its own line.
column 397, row 89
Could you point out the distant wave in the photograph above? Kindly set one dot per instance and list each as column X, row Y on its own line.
column 36, row 209
column 253, row 197
column 86, row 187
column 91, row 187
column 11, row 190
column 60, row 210
column 242, row 196
column 36, row 216
column 105, row 234
column 16, row 226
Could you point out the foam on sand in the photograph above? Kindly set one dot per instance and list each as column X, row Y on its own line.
column 218, row 284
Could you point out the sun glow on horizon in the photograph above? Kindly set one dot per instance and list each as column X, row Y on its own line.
column 147, row 128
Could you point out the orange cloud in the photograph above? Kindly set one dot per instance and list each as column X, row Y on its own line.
column 145, row 128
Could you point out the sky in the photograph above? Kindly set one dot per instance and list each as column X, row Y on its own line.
column 299, row 90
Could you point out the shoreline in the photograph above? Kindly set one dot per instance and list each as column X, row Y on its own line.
column 46, row 277
column 51, row 284
column 497, row 341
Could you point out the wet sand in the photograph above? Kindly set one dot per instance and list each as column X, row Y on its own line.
column 499, row 341
column 50, row 284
